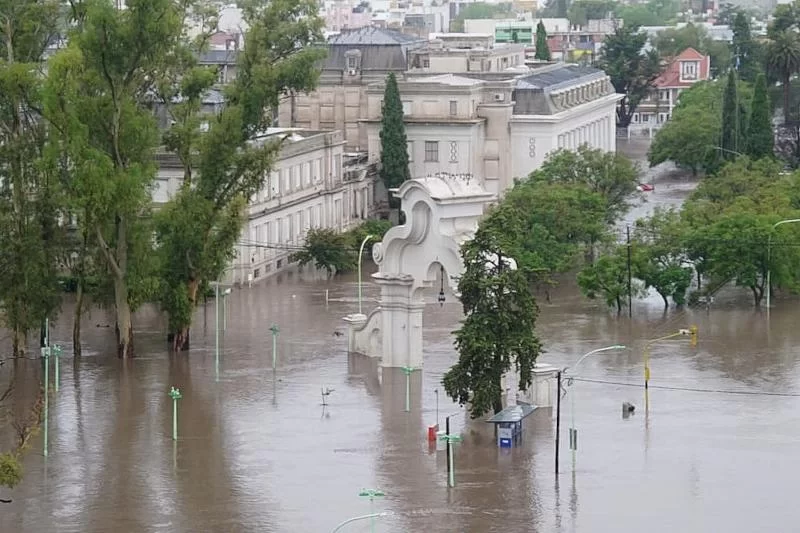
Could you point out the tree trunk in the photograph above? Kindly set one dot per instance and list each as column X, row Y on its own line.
column 786, row 93
column 666, row 302
column 19, row 342
column 76, row 322
column 123, row 326
column 758, row 294
column 179, row 340
column 699, row 280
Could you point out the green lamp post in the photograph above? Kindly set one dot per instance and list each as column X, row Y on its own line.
column 371, row 494
column 175, row 394
column 275, row 330
column 46, row 357
column 407, row 370
column 450, row 439
column 56, row 353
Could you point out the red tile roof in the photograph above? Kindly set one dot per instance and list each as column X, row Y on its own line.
column 671, row 75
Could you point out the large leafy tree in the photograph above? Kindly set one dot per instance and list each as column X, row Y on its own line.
column 783, row 62
column 497, row 334
column 746, row 52
column 30, row 198
column 613, row 176
column 692, row 137
column 607, row 278
column 394, row 145
column 760, row 136
column 659, row 255
column 98, row 97
column 228, row 164
column 542, row 48
column 632, row 69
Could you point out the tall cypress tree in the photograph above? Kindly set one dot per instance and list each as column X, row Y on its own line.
column 730, row 119
column 542, row 50
column 394, row 145
column 760, row 139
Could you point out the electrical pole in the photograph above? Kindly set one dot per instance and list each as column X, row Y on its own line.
column 558, row 417
column 630, row 295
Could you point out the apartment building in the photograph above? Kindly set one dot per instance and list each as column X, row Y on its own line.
column 456, row 53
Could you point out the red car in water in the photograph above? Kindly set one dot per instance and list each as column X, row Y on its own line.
column 645, row 187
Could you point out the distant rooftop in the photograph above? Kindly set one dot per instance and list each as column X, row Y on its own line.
column 371, row 35
column 448, row 79
column 559, row 75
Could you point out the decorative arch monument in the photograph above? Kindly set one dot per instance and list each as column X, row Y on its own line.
column 442, row 212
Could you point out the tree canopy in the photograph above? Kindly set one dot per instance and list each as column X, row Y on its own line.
column 632, row 69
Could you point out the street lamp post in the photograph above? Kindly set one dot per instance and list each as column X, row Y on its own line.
column 56, row 353
column 274, row 329
column 451, row 439
column 690, row 332
column 46, row 357
column 357, row 518
column 573, row 432
column 769, row 258
column 175, row 394
column 407, row 370
column 360, row 256
column 371, row 494
column 217, row 325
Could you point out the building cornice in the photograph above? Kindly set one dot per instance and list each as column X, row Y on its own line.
column 571, row 112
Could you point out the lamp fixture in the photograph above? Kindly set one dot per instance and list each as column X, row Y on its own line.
column 441, row 289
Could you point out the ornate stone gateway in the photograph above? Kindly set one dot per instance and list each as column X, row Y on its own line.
column 442, row 212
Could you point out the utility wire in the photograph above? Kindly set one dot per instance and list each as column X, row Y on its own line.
column 690, row 389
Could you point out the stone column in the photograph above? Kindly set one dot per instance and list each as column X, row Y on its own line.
column 401, row 318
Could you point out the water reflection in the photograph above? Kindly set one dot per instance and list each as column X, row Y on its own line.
column 257, row 451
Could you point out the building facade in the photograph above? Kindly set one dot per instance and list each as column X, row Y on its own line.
column 314, row 184
column 455, row 53
column 680, row 73
column 355, row 59
column 502, row 128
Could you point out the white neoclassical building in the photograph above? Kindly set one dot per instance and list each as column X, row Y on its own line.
column 314, row 184
column 502, row 126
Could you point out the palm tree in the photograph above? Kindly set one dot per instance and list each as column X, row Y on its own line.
column 783, row 60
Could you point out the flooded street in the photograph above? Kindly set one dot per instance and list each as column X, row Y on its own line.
column 258, row 452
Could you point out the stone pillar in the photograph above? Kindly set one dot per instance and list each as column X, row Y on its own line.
column 401, row 318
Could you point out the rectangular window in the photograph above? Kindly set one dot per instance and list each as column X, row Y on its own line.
column 426, row 63
column 453, row 107
column 298, row 227
column 318, row 218
column 410, row 145
column 406, row 108
column 268, row 232
column 287, row 181
column 287, row 229
column 431, row 151
column 337, row 167
column 306, row 174
column 279, row 230
column 317, row 170
column 296, row 176
column 351, row 62
column 272, row 185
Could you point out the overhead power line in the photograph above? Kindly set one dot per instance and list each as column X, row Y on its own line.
column 691, row 389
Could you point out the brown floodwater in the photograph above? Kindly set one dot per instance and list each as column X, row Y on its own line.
column 258, row 452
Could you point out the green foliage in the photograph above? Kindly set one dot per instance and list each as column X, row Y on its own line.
column 226, row 165
column 98, row 98
column 729, row 218
column 328, row 249
column 31, row 198
column 394, row 145
column 659, row 256
column 582, row 11
column 338, row 252
column 731, row 127
column 632, row 69
column 542, row 49
column 10, row 470
column 650, row 13
column 497, row 334
column 607, row 278
column 691, row 138
column 611, row 175
column 783, row 62
column 746, row 50
column 760, row 137
column 479, row 10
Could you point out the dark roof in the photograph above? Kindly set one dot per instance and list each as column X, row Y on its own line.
column 562, row 75
column 371, row 35
column 218, row 57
